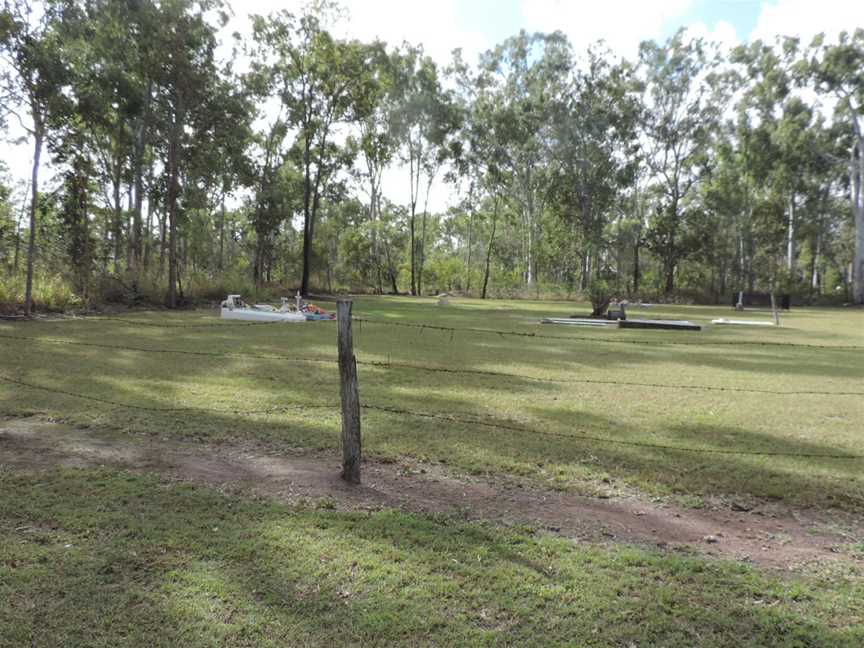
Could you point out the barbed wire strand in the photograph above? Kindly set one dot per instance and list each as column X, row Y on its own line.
column 445, row 370
column 389, row 364
column 453, row 418
column 576, row 338
column 478, row 330
column 602, row 440
column 166, row 410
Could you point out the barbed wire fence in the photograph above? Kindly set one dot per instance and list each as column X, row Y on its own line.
column 390, row 364
column 473, row 420
column 462, row 418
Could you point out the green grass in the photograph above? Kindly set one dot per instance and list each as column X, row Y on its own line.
column 559, row 412
column 100, row 558
column 105, row 558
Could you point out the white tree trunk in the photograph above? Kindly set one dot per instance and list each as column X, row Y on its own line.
column 857, row 173
column 817, row 258
column 790, row 237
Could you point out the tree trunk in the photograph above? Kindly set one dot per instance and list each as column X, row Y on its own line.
column 636, row 268
column 584, row 269
column 790, row 237
column 413, row 251
column 489, row 250
column 423, row 237
column 163, row 241
column 374, row 190
column 173, row 194
column 18, row 220
column 34, row 205
column 135, row 235
column 221, row 262
column 529, row 250
column 817, row 254
column 391, row 271
column 147, row 252
column 670, row 264
column 468, row 259
column 857, row 178
column 117, row 225
column 307, row 221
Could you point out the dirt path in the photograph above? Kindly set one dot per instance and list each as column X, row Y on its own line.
column 773, row 538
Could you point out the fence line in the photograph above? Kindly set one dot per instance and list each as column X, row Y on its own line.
column 593, row 381
column 454, row 329
column 602, row 440
column 445, row 370
column 167, row 410
column 460, row 418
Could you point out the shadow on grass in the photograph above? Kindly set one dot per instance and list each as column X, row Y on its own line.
column 101, row 558
column 245, row 383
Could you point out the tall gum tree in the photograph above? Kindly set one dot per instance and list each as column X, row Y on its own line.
column 526, row 71
column 318, row 80
column 839, row 69
column 685, row 99
column 184, row 78
column 594, row 151
column 31, row 87
column 425, row 125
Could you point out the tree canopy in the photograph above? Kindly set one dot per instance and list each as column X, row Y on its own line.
column 186, row 163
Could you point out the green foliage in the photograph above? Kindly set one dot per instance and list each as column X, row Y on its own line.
column 600, row 295
column 565, row 165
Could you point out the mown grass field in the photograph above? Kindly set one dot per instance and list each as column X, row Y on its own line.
column 225, row 367
column 102, row 559
column 105, row 557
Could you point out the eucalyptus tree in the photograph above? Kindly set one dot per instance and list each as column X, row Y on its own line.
column 528, row 71
column 218, row 157
column 784, row 125
column 105, row 101
column 320, row 82
column 33, row 73
column 184, row 77
column 594, row 151
column 426, row 123
column 483, row 163
column 378, row 140
column 685, row 99
column 838, row 69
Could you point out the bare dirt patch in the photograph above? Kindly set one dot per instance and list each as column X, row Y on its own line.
column 766, row 535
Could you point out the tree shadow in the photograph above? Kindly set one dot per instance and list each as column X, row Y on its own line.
column 244, row 383
column 100, row 558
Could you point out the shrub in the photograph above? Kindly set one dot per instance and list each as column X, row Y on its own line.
column 600, row 295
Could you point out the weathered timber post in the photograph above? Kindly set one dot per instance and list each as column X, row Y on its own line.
column 350, row 396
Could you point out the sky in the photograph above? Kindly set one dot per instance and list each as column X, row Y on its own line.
column 477, row 25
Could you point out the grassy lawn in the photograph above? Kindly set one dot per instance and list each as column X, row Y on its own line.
column 543, row 407
column 98, row 558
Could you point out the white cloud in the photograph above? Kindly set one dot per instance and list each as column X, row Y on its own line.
column 723, row 33
column 806, row 18
column 623, row 24
column 435, row 25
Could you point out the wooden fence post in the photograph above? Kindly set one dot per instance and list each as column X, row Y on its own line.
column 350, row 397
